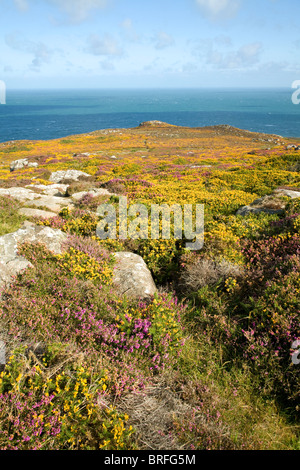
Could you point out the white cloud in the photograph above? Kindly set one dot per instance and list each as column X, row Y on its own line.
column 41, row 53
column 163, row 40
column 107, row 65
column 189, row 67
column 76, row 11
column 22, row 5
column 245, row 57
column 218, row 9
column 249, row 53
column 129, row 31
column 275, row 67
column 106, row 45
column 223, row 40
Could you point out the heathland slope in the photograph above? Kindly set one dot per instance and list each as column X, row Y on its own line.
column 198, row 353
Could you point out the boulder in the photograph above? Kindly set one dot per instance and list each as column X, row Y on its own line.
column 292, row 147
column 58, row 190
column 18, row 164
column 51, row 203
column 270, row 204
column 10, row 262
column 22, row 163
column 73, row 175
column 132, row 276
column 37, row 213
column 287, row 192
column 94, row 192
column 21, row 194
column 201, row 166
column 29, row 232
column 10, row 267
column 85, row 154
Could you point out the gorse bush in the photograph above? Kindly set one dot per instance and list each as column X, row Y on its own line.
column 46, row 407
column 55, row 301
column 86, row 260
column 79, row 221
column 203, row 364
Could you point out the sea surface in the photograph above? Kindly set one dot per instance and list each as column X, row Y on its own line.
column 51, row 114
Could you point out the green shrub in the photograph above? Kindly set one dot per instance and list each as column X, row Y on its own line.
column 10, row 219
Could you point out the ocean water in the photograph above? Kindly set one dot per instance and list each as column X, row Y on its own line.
column 51, row 114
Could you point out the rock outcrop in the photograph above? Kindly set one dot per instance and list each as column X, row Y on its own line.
column 51, row 203
column 22, row 163
column 10, row 262
column 52, row 198
column 58, row 176
column 292, row 147
column 10, row 267
column 132, row 276
column 270, row 204
column 287, row 192
column 21, row 194
column 58, row 190
column 28, row 212
column 93, row 192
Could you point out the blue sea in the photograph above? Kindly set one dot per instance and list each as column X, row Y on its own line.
column 51, row 114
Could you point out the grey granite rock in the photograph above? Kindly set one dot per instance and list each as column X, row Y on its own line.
column 132, row 276
column 73, row 175
column 10, row 261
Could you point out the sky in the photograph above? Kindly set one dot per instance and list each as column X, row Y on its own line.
column 149, row 43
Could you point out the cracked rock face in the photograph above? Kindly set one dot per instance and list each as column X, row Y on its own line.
column 21, row 194
column 23, row 162
column 58, row 176
column 51, row 203
column 267, row 204
column 37, row 213
column 58, row 190
column 52, row 197
column 10, row 267
column 93, row 192
column 270, row 204
column 132, row 276
column 10, row 262
column 52, row 238
column 287, row 192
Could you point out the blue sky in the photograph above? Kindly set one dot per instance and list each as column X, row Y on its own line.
column 149, row 43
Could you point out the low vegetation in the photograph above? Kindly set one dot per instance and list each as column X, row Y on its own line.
column 204, row 364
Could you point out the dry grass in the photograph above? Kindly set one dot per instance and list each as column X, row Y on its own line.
column 207, row 272
column 152, row 414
